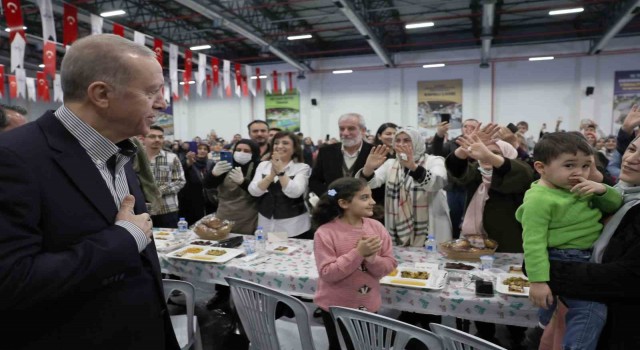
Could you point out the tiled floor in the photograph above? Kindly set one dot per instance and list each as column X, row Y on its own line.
column 218, row 333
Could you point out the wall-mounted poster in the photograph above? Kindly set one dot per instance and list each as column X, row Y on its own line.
column 438, row 100
column 283, row 111
column 626, row 93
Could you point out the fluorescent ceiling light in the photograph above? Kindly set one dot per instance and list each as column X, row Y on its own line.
column 435, row 65
column 298, row 37
column 344, row 71
column 419, row 25
column 260, row 77
column 565, row 11
column 200, row 47
column 543, row 58
column 191, row 82
column 9, row 29
column 41, row 65
column 112, row 13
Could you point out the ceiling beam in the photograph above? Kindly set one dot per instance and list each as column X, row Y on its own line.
column 347, row 8
column 626, row 15
column 245, row 31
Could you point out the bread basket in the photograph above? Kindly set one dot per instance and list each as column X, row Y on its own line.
column 461, row 249
column 211, row 227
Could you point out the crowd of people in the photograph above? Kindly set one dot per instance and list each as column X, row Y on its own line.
column 356, row 196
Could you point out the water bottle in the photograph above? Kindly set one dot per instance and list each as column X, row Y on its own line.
column 261, row 241
column 431, row 247
column 183, row 229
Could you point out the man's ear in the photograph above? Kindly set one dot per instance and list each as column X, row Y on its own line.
column 98, row 93
column 539, row 166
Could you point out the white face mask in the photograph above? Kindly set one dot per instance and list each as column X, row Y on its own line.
column 241, row 157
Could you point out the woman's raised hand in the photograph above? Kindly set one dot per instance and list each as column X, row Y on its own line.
column 487, row 133
column 376, row 157
column 404, row 154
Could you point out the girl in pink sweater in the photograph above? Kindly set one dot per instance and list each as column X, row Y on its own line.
column 352, row 251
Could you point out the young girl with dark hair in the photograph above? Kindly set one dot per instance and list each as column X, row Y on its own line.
column 352, row 251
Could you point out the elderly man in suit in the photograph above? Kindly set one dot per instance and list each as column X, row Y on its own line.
column 341, row 159
column 78, row 268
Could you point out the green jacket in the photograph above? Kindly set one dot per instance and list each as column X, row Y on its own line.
column 508, row 185
column 142, row 168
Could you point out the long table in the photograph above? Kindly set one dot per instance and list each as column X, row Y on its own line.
column 296, row 274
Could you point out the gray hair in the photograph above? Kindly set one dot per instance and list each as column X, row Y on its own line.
column 360, row 118
column 97, row 58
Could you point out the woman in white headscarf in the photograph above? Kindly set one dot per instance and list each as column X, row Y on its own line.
column 415, row 204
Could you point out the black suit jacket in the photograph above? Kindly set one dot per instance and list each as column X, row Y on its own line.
column 329, row 166
column 69, row 277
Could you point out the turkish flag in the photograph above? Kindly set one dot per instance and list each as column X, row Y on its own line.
column 290, row 81
column 49, row 58
column 238, row 74
column 185, row 88
column 258, row 81
column 118, row 29
column 157, row 48
column 13, row 86
column 245, row 87
column 70, row 27
column 13, row 16
column 41, row 81
column 209, row 85
column 275, row 82
column 215, row 67
column 187, row 64
column 1, row 80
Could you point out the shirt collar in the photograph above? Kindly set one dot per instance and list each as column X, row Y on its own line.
column 345, row 153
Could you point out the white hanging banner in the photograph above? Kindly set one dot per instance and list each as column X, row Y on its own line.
column 31, row 88
column 166, row 92
column 250, row 82
column 57, row 89
column 96, row 24
column 220, row 88
column 202, row 73
column 238, row 88
column 173, row 64
column 46, row 15
column 17, row 52
column 174, row 87
column 268, row 84
column 21, row 79
column 226, row 70
column 139, row 38
column 283, row 84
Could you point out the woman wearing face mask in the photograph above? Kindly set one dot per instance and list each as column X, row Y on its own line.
column 194, row 203
column 232, row 181
column 280, row 184
column 495, row 182
column 415, row 204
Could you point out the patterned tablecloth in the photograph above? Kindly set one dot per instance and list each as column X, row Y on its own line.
column 296, row 274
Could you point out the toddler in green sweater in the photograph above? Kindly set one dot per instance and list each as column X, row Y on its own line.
column 560, row 219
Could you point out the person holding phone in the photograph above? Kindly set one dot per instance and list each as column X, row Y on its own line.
column 193, row 200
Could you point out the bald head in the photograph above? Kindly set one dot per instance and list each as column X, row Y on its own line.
column 98, row 58
column 11, row 118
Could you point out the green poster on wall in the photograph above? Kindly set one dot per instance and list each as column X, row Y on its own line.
column 283, row 111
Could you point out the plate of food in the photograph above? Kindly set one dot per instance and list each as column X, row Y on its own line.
column 416, row 278
column 281, row 248
column 166, row 241
column 515, row 269
column 513, row 284
column 203, row 242
column 205, row 253
column 459, row 266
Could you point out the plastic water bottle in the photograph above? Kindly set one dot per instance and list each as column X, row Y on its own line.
column 431, row 247
column 261, row 241
column 183, row 229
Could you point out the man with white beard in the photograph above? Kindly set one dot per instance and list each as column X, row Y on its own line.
column 341, row 159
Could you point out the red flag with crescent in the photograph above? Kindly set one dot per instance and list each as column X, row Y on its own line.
column 41, row 81
column 275, row 82
column 209, row 85
column 258, row 82
column 157, row 48
column 49, row 58
column 215, row 67
column 1, row 80
column 238, row 74
column 188, row 57
column 70, row 27
column 118, row 29
column 13, row 86
column 13, row 16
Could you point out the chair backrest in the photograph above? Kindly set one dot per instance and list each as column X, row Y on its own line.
column 256, row 306
column 372, row 331
column 456, row 340
column 190, row 302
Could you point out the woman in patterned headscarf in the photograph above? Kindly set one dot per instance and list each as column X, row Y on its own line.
column 415, row 204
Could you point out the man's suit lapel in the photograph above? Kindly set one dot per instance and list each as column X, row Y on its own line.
column 78, row 166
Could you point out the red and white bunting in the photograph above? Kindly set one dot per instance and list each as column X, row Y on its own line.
column 157, row 48
column 31, row 89
column 13, row 86
column 209, row 83
column 118, row 29
column 188, row 63
column 238, row 74
column 57, row 89
column 46, row 15
column 245, row 88
column 258, row 81
column 70, row 27
column 283, row 85
column 139, row 38
column 249, row 81
column 226, row 76
column 49, row 58
column 186, row 87
column 41, row 80
column 173, row 70
column 96, row 24
column 202, row 72
column 215, row 68
column 275, row 81
column 13, row 17
column 290, row 81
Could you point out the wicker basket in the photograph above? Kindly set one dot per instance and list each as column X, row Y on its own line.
column 469, row 255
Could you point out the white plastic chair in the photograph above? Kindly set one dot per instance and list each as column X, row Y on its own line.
column 256, row 306
column 185, row 326
column 371, row 331
column 458, row 340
